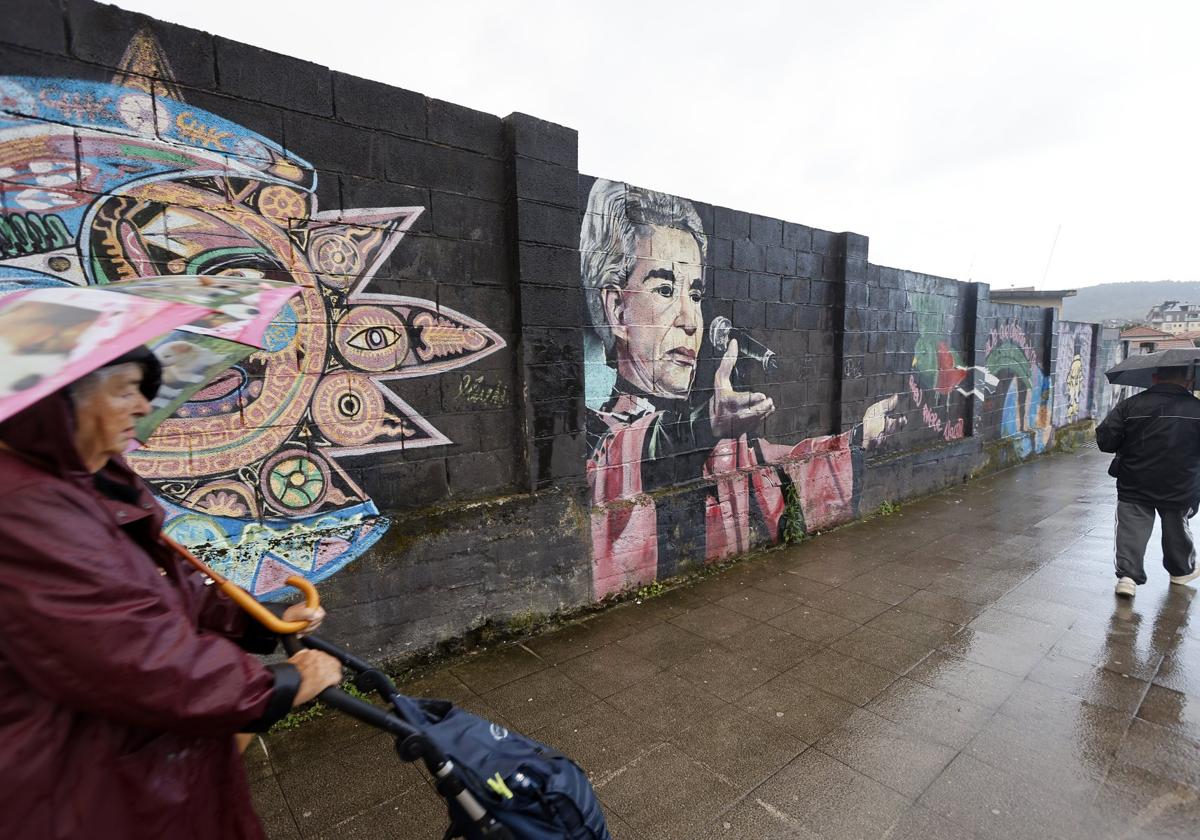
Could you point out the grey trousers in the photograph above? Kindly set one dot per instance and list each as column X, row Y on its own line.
column 1134, row 524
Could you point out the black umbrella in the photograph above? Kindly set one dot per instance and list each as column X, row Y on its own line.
column 1138, row 371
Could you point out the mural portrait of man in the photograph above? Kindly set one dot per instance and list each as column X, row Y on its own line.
column 653, row 422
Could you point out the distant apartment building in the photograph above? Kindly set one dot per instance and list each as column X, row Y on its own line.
column 1175, row 317
column 1149, row 340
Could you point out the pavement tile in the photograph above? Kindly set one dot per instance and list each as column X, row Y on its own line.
column 600, row 739
column 1042, row 755
column 608, row 670
column 969, row 585
column 618, row 828
column 539, row 700
column 574, row 640
column 953, row 610
column 652, row 807
column 1003, row 654
column 1047, row 612
column 911, row 572
column 876, row 747
column 1135, row 803
column 1163, row 752
column 1116, row 653
column 858, row 608
column 1172, row 709
column 272, row 808
column 417, row 815
column 971, row 681
column 493, row 668
column 724, row 672
column 920, row 823
column 1086, row 681
column 837, row 674
column 790, row 585
column 667, row 703
column 755, row 819
column 1000, row 806
column 1018, row 628
column 931, row 713
column 1180, row 668
column 323, row 794
column 801, row 710
column 717, row 587
column 757, row 604
column 880, row 588
column 256, row 759
column 738, row 747
column 714, row 622
column 664, row 644
column 768, row 645
column 831, row 800
column 1040, row 707
column 289, row 749
column 914, row 626
column 833, row 571
column 893, row 653
column 813, row 624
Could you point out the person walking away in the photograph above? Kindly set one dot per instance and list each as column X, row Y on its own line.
column 1156, row 438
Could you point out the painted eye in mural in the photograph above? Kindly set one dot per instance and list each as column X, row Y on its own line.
column 666, row 290
column 374, row 338
column 695, row 296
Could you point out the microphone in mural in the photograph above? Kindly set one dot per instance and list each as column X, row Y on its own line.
column 721, row 330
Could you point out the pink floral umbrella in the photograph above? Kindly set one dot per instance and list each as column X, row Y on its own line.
column 50, row 337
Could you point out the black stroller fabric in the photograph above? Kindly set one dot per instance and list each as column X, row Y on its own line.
column 535, row 791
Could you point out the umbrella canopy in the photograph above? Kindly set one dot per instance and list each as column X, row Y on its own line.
column 1138, row 371
column 50, row 337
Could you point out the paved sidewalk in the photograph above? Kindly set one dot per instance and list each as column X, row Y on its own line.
column 958, row 669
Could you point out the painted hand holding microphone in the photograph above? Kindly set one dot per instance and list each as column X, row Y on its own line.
column 733, row 412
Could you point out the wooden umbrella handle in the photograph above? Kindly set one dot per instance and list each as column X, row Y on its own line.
column 246, row 601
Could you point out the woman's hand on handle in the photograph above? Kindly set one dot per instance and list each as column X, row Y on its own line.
column 301, row 612
column 318, row 671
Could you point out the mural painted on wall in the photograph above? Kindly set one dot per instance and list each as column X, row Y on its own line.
column 103, row 182
column 1023, row 388
column 940, row 383
column 659, row 417
column 1073, row 390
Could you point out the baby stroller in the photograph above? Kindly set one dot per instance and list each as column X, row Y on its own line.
column 497, row 784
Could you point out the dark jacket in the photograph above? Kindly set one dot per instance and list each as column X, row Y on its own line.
column 1156, row 435
column 120, row 687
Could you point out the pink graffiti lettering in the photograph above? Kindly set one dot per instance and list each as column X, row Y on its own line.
column 914, row 388
column 954, row 431
column 931, row 418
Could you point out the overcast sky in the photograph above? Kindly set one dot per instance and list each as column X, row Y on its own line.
column 958, row 136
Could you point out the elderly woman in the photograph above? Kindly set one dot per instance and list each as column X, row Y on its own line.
column 123, row 678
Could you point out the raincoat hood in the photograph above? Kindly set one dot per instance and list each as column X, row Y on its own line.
column 44, row 434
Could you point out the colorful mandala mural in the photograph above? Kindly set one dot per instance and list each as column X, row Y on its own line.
column 107, row 181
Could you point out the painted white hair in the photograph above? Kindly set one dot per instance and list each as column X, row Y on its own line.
column 617, row 214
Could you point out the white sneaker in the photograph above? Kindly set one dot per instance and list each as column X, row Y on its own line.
column 1126, row 587
column 1184, row 579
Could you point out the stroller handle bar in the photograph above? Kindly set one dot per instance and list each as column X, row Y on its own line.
column 343, row 702
column 410, row 742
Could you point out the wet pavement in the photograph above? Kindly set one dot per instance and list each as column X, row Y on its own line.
column 959, row 669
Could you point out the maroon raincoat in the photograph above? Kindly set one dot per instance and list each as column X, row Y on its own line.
column 121, row 679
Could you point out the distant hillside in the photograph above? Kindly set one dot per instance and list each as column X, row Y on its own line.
column 1126, row 301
